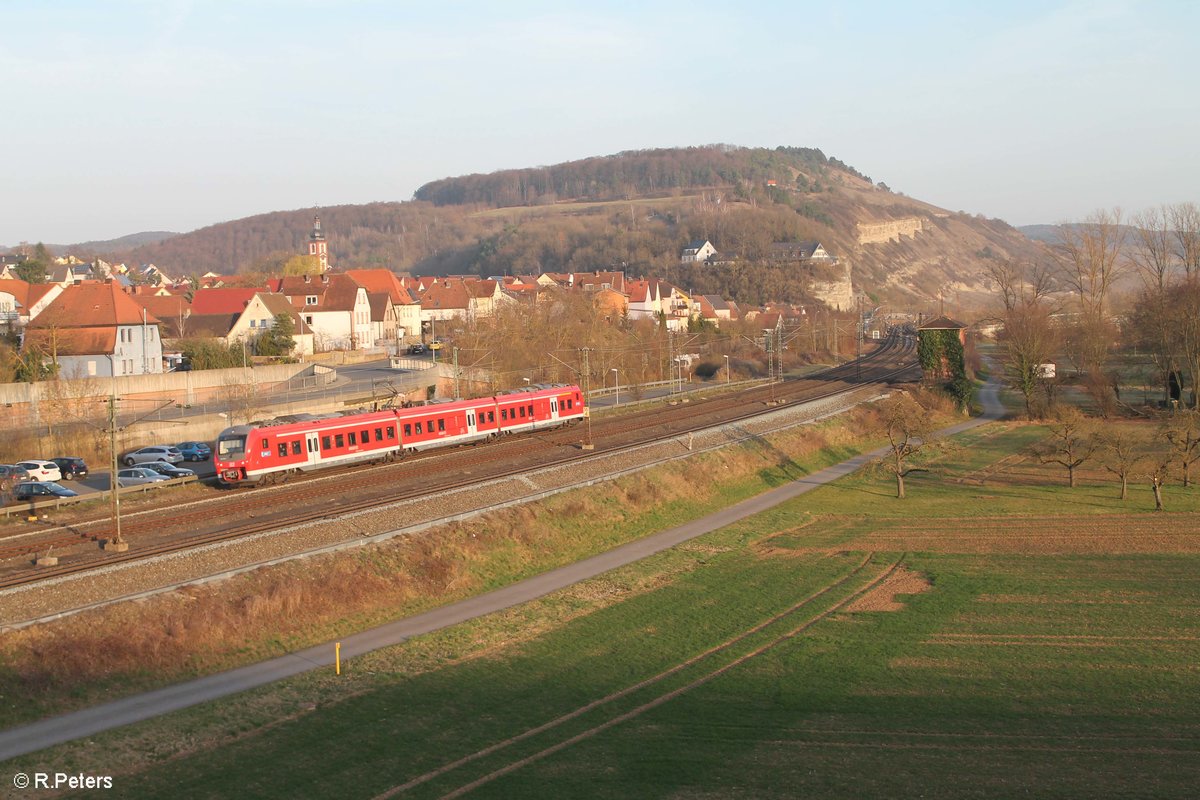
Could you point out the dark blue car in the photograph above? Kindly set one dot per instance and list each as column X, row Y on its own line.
column 194, row 451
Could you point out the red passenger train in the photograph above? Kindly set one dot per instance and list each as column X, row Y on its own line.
column 270, row 451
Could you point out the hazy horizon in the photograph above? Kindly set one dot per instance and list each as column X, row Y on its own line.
column 142, row 116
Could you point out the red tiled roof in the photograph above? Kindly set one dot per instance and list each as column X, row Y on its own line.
column 381, row 280
column 83, row 341
column 446, row 293
column 226, row 300
column 92, row 305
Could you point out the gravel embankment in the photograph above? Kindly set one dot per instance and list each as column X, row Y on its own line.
column 27, row 604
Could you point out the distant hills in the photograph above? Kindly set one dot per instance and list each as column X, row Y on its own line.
column 634, row 211
column 108, row 246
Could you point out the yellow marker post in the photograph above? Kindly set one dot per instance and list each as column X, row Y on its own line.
column 337, row 653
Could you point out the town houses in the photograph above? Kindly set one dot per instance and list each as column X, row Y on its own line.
column 98, row 318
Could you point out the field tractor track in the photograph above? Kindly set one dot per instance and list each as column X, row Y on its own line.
column 650, row 681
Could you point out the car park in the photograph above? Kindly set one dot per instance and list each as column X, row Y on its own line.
column 170, row 470
column 137, row 476
column 41, row 470
column 194, row 451
column 153, row 453
column 35, row 490
column 71, row 468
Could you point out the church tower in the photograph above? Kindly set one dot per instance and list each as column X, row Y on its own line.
column 316, row 245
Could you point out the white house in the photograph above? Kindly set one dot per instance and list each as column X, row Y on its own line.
column 699, row 250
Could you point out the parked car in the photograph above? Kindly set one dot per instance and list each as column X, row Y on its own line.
column 136, row 476
column 35, row 490
column 41, row 470
column 156, row 452
column 170, row 470
column 435, row 345
column 416, row 349
column 72, row 468
column 194, row 451
column 11, row 474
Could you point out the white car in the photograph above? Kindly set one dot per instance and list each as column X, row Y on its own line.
column 136, row 476
column 41, row 470
column 153, row 453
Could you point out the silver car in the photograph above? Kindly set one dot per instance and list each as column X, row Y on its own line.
column 136, row 476
column 153, row 453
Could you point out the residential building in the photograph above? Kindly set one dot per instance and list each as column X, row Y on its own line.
column 96, row 330
column 699, row 250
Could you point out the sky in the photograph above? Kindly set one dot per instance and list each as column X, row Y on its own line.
column 125, row 116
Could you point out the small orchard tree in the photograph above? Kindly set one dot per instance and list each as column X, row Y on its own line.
column 909, row 429
column 1181, row 431
column 1072, row 441
column 1157, row 471
column 1121, row 454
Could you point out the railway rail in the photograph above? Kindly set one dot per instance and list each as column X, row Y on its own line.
column 317, row 497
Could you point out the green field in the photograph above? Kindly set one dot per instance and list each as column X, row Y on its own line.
column 1051, row 652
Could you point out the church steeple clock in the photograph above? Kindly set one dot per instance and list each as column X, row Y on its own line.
column 316, row 245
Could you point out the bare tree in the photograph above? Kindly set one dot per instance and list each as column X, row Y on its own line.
column 1183, row 319
column 1072, row 441
column 1182, row 432
column 1185, row 221
column 1158, row 470
column 1030, row 336
column 1121, row 454
column 1089, row 259
column 909, row 429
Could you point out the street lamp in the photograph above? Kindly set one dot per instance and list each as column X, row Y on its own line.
column 617, row 381
column 726, row 371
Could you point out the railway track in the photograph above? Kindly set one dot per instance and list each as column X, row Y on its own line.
column 244, row 512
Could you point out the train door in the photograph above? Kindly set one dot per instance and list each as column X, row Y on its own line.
column 554, row 408
column 471, row 422
column 314, row 451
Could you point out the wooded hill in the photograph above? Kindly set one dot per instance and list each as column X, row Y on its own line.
column 637, row 210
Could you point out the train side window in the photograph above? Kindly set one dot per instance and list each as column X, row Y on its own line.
column 504, row 414
column 391, row 432
column 296, row 448
column 353, row 438
column 522, row 409
column 265, row 446
column 418, row 429
column 491, row 416
column 442, row 425
column 379, row 434
column 366, row 435
column 339, row 440
column 568, row 402
column 407, row 429
column 283, row 449
column 531, row 409
column 326, row 443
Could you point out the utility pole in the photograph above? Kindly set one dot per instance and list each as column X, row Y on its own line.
column 457, row 396
column 587, row 409
column 115, row 544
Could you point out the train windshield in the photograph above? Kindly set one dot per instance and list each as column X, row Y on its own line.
column 231, row 448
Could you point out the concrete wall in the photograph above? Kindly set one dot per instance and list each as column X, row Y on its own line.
column 37, row 403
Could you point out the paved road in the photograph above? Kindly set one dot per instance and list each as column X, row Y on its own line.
column 57, row 730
